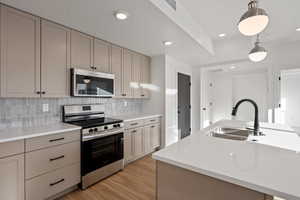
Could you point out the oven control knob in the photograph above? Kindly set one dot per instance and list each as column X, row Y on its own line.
column 95, row 129
column 116, row 125
column 105, row 127
column 91, row 130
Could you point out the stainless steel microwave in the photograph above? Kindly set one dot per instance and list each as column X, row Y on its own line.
column 85, row 83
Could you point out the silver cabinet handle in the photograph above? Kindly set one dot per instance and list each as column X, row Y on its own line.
column 134, row 131
column 133, row 124
column 152, row 126
column 152, row 120
column 57, row 158
column 57, row 182
column 58, row 139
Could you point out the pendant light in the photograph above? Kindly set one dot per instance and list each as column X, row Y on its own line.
column 258, row 53
column 254, row 21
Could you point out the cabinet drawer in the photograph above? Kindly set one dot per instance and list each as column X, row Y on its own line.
column 45, row 186
column 11, row 148
column 46, row 160
column 51, row 140
column 153, row 120
column 134, row 124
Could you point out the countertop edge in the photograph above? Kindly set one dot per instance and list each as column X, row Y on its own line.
column 33, row 135
column 146, row 116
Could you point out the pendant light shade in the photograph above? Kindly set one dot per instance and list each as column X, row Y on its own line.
column 254, row 21
column 258, row 53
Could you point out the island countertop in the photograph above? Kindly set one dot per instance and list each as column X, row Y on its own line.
column 270, row 165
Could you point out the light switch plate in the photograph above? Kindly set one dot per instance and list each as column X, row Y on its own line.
column 45, row 107
column 125, row 103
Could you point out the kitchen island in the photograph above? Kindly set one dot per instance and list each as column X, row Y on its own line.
column 205, row 167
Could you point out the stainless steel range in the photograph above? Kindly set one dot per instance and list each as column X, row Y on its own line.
column 102, row 141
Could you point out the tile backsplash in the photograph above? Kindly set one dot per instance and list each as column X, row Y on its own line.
column 26, row 112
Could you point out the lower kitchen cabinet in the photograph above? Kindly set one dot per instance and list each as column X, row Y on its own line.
column 141, row 138
column 137, row 138
column 147, row 139
column 155, row 136
column 12, row 178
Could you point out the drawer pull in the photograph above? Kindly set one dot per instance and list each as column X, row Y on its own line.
column 134, row 124
column 57, row 182
column 133, row 131
column 57, row 158
column 152, row 120
column 152, row 126
column 55, row 140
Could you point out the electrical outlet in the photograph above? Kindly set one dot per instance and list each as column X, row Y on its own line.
column 125, row 103
column 45, row 107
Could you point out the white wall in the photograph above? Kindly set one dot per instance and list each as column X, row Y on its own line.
column 173, row 67
column 224, row 88
column 156, row 104
column 164, row 70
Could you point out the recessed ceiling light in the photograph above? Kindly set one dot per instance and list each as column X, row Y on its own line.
column 222, row 35
column 232, row 67
column 121, row 15
column 298, row 29
column 168, row 43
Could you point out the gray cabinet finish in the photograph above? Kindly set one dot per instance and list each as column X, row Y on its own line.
column 81, row 50
column 55, row 62
column 116, row 68
column 20, row 54
column 127, row 73
column 102, row 56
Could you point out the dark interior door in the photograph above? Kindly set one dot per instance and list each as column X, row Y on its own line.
column 184, row 105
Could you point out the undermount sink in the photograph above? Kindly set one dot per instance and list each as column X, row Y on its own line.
column 231, row 133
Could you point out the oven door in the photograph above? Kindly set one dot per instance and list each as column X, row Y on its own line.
column 92, row 84
column 100, row 152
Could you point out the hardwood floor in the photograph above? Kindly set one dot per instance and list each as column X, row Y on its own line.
column 135, row 182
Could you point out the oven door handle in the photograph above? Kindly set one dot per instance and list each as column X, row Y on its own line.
column 88, row 138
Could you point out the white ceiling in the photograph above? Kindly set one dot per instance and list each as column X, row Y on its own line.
column 148, row 26
column 144, row 31
column 217, row 16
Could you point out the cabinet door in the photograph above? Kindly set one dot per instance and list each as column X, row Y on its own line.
column 81, row 50
column 20, row 54
column 155, row 135
column 55, row 60
column 128, row 147
column 102, row 55
column 147, row 139
column 145, row 77
column 136, row 72
column 12, row 178
column 127, row 73
column 137, row 136
column 116, row 68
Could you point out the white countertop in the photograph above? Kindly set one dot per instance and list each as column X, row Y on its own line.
column 271, row 165
column 13, row 134
column 136, row 116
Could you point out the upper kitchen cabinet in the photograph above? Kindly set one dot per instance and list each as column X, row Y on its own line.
column 20, row 54
column 116, row 68
column 127, row 73
column 55, row 60
column 102, row 56
column 136, row 73
column 145, row 77
column 81, row 50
